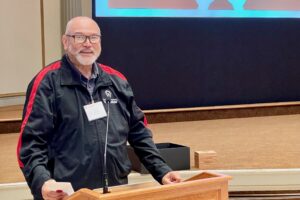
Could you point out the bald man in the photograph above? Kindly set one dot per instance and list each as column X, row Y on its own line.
column 64, row 126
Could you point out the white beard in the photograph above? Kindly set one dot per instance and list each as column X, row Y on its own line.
column 86, row 61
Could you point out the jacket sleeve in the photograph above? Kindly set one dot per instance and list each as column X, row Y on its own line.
column 37, row 124
column 140, row 138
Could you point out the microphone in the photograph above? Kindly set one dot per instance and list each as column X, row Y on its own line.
column 105, row 174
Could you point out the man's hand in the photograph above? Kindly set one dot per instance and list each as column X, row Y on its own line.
column 52, row 195
column 171, row 177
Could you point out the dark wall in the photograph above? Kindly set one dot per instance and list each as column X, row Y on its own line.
column 192, row 62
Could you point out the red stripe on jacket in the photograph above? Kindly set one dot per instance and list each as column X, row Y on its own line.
column 112, row 71
column 34, row 89
column 145, row 121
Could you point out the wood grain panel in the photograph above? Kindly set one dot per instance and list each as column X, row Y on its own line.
column 9, row 169
column 241, row 143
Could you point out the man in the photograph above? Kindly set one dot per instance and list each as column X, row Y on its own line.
column 65, row 118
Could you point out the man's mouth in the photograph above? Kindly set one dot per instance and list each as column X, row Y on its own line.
column 86, row 52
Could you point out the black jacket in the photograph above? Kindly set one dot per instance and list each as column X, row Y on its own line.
column 57, row 140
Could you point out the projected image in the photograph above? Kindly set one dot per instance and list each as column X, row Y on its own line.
column 198, row 8
column 272, row 5
column 220, row 5
column 154, row 4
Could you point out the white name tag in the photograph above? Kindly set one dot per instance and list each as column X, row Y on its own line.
column 95, row 111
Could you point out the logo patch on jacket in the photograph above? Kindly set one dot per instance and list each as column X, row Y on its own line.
column 108, row 97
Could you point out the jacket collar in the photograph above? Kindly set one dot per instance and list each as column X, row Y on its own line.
column 71, row 77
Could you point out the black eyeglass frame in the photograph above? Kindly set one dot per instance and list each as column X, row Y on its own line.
column 85, row 38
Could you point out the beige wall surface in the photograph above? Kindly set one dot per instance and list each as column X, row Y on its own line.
column 20, row 33
column 86, row 7
column 52, row 31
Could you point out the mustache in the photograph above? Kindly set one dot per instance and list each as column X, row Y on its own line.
column 88, row 50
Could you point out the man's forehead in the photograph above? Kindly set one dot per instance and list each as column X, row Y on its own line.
column 83, row 25
column 85, row 31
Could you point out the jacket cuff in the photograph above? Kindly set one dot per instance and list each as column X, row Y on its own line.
column 163, row 170
column 41, row 175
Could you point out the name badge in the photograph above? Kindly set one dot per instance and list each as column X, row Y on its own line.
column 95, row 111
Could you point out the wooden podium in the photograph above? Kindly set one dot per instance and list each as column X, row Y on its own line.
column 204, row 186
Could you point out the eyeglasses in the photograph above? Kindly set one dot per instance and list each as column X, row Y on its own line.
column 79, row 39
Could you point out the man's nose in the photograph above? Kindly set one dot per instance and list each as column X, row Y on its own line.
column 87, row 42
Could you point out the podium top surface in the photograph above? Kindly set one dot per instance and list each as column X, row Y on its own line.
column 202, row 186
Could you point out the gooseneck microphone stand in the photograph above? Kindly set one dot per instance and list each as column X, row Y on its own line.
column 105, row 174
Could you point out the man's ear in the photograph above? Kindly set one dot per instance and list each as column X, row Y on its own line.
column 64, row 41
